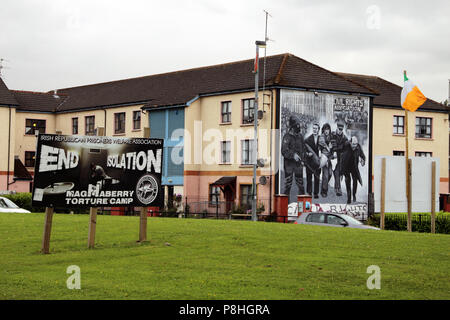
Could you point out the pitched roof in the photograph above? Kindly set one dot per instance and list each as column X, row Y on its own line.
column 177, row 88
column 389, row 92
column 6, row 98
column 37, row 101
column 20, row 172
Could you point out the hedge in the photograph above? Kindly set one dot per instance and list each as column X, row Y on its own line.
column 420, row 222
column 23, row 200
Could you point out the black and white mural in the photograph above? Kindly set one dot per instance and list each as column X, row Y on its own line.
column 324, row 150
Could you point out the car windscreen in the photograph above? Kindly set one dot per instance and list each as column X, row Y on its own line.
column 6, row 203
column 332, row 219
column 351, row 220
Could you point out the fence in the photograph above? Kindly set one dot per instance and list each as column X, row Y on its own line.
column 201, row 208
column 420, row 222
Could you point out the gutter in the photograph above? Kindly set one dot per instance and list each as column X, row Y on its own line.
column 187, row 104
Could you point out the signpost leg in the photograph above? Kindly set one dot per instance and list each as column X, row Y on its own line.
column 433, row 197
column 408, row 179
column 92, row 225
column 383, row 192
column 47, row 230
column 143, row 225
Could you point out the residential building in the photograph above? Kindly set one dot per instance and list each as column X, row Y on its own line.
column 206, row 117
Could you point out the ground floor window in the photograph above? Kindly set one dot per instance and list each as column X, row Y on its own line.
column 214, row 194
column 245, row 196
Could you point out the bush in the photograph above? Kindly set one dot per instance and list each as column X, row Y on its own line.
column 420, row 222
column 23, row 200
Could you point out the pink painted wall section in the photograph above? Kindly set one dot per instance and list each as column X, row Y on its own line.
column 196, row 188
column 18, row 186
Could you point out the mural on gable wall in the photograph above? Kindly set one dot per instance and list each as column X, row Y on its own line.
column 324, row 144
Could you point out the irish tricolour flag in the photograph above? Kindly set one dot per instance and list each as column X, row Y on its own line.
column 412, row 98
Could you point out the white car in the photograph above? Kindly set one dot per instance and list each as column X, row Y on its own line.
column 331, row 220
column 7, row 205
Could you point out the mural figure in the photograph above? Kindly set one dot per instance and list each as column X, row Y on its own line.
column 313, row 161
column 292, row 149
column 352, row 156
column 338, row 140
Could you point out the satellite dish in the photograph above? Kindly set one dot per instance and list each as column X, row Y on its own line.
column 260, row 163
column 262, row 180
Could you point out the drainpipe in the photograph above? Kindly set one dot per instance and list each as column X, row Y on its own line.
column 272, row 113
column 104, row 110
column 9, row 149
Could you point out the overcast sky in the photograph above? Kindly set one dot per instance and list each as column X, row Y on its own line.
column 52, row 44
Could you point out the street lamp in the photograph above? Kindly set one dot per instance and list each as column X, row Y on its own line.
column 259, row 44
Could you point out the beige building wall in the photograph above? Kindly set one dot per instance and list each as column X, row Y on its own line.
column 7, row 129
column 385, row 141
column 26, row 142
column 64, row 121
column 204, row 134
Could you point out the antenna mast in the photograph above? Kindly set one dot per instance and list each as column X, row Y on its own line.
column 265, row 48
column 2, row 66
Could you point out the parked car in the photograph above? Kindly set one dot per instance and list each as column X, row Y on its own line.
column 331, row 220
column 7, row 205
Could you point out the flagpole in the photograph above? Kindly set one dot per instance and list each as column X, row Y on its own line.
column 408, row 169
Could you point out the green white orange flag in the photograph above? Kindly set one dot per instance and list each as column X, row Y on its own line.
column 411, row 96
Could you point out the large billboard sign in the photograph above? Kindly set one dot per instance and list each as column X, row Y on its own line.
column 324, row 146
column 91, row 171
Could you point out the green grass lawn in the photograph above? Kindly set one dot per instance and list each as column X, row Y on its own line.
column 217, row 259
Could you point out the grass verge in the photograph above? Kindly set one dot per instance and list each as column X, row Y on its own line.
column 217, row 259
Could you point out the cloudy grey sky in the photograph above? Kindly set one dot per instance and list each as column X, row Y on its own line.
column 52, row 44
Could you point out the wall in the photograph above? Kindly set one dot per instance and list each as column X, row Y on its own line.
column 64, row 121
column 385, row 142
column 25, row 142
column 5, row 130
column 204, row 134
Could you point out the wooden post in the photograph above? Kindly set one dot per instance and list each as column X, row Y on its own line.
column 47, row 230
column 143, row 225
column 144, row 210
column 92, row 225
column 433, row 197
column 383, row 192
column 409, row 166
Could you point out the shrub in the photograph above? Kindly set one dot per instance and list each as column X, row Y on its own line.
column 420, row 222
column 23, row 200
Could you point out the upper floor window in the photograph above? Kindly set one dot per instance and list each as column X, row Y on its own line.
column 226, row 112
column 90, row 125
column 398, row 153
column 246, row 151
column 226, row 151
column 423, row 154
column 423, row 127
column 74, row 125
column 248, row 110
column 30, row 158
column 399, row 125
column 136, row 120
column 33, row 126
column 119, row 122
